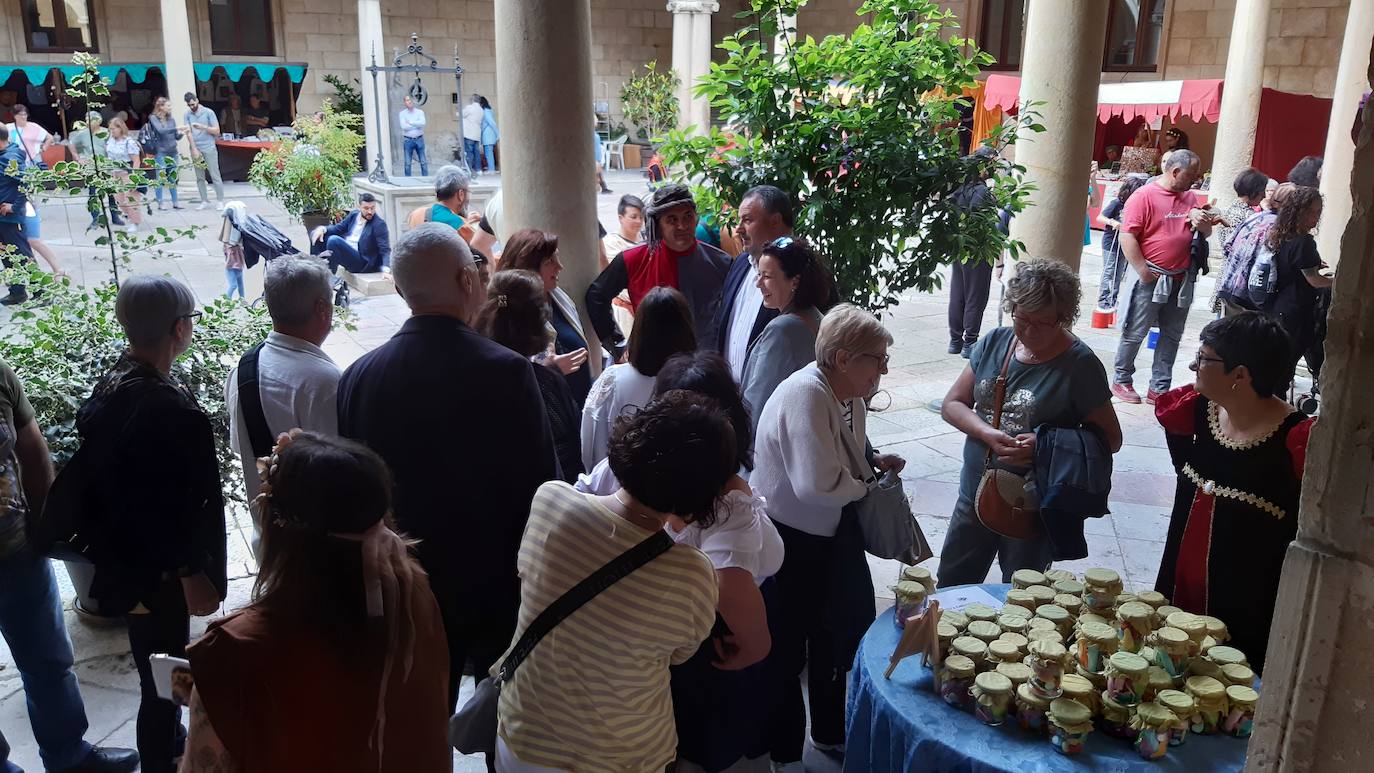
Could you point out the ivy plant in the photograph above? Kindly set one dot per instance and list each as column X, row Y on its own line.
column 649, row 101
column 862, row 130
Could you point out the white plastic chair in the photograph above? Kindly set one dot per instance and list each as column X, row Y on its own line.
column 615, row 149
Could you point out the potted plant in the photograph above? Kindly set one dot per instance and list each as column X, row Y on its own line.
column 649, row 101
column 310, row 175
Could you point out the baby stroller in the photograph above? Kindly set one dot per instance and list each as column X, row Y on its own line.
column 260, row 239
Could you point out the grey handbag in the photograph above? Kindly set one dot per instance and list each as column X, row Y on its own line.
column 890, row 529
column 473, row 728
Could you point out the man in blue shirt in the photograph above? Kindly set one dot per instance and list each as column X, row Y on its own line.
column 12, row 204
column 412, row 120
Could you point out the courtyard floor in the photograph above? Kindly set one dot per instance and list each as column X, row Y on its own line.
column 1129, row 541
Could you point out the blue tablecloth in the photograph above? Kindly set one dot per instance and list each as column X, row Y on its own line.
column 901, row 725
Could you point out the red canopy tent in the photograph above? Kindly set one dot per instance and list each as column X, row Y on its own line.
column 1290, row 125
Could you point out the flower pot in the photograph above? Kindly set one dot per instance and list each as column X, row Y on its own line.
column 313, row 220
column 82, row 574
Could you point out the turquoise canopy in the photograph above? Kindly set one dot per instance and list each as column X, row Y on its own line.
column 138, row 72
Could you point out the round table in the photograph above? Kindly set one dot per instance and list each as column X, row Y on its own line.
column 236, row 157
column 901, row 724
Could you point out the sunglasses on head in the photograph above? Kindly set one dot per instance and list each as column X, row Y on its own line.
column 781, row 243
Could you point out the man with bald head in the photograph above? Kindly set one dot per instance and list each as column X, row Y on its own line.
column 460, row 422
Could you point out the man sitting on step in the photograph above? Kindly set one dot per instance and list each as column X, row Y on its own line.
column 360, row 242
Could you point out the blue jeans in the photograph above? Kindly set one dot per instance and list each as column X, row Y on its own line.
column 491, row 157
column 166, row 164
column 1113, row 270
column 1142, row 313
column 344, row 254
column 472, row 150
column 416, row 145
column 31, row 621
column 235, row 277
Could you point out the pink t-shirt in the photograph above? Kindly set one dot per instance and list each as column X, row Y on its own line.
column 1158, row 217
column 33, row 137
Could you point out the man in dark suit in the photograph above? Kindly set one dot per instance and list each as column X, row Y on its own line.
column 464, row 473
column 360, row 242
column 765, row 213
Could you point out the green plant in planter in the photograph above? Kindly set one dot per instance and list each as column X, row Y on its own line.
column 861, row 130
column 347, row 97
column 649, row 101
column 312, row 173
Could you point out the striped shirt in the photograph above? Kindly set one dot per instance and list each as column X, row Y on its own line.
column 593, row 695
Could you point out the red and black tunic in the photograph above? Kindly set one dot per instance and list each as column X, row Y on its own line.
column 1235, row 512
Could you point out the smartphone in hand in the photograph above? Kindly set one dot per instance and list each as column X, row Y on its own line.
column 173, row 678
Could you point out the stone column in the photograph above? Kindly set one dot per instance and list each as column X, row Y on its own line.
column 548, row 172
column 1060, row 69
column 1321, row 647
column 369, row 41
column 692, row 57
column 176, row 52
column 1351, row 83
column 1240, row 98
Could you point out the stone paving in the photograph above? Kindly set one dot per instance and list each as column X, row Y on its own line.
column 1130, row 540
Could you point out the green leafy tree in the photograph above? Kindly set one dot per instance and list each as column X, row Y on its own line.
column 649, row 101
column 347, row 97
column 312, row 173
column 862, row 130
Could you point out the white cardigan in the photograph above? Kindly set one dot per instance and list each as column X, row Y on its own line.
column 801, row 465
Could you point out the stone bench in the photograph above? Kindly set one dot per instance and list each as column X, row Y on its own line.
column 368, row 285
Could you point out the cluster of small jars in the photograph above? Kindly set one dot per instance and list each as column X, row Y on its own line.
column 1064, row 655
column 912, row 590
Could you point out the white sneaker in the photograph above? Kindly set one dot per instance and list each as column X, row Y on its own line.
column 131, row 228
column 201, row 206
column 219, row 206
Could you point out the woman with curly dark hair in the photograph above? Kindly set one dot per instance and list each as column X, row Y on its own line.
column 516, row 316
column 594, row 694
column 1297, row 269
column 342, row 644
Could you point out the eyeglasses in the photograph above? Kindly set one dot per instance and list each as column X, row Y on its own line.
column 881, row 359
column 193, row 316
column 1033, row 325
column 1199, row 359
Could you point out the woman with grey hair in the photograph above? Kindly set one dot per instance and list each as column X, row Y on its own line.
column 147, row 478
column 811, row 460
column 1052, row 378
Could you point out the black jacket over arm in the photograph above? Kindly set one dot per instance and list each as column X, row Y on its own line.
column 460, row 421
column 607, row 285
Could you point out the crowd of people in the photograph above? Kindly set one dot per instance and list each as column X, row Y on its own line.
column 720, row 426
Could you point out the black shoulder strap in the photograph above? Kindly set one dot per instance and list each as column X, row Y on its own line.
column 250, row 404
column 580, row 594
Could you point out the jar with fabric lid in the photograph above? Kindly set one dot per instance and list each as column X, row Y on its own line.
column 956, row 680
column 1096, row 642
column 1055, row 575
column 1079, row 689
column 1070, row 723
column 1205, row 667
column 1013, row 610
column 1099, row 681
column 1024, row 578
column 980, row 612
column 1042, row 594
column 1031, row 709
column 1017, row 597
column 1115, row 719
column 1157, row 681
column 946, row 634
column 1047, row 660
column 1092, row 617
column 984, row 630
column 1210, row 697
column 1172, row 649
column 1071, row 604
column 1237, row 674
column 1207, row 643
column 1042, row 624
column 1050, row 634
column 1153, row 724
column 954, row 618
column 1002, row 652
column 991, row 698
column 1216, row 629
column 1163, row 612
column 1192, row 625
column 1100, row 589
column 971, row 647
column 1126, row 598
column 1068, row 588
column 1018, row 640
column 1183, row 706
column 1127, row 677
column 1225, row 656
column 911, row 600
column 1134, row 621
column 1013, row 623
column 1240, row 719
column 1063, row 621
column 1018, row 673
column 1152, row 597
column 922, row 575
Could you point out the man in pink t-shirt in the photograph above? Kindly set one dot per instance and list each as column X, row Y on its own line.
column 1156, row 237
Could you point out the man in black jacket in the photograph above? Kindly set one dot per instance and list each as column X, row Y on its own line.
column 765, row 213
column 360, row 242
column 460, row 421
column 147, row 461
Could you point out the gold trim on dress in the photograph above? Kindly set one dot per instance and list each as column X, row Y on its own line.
column 1214, row 423
column 1210, row 488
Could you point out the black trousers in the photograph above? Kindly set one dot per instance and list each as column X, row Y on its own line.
column 969, row 286
column 13, row 235
column 165, row 630
column 825, row 604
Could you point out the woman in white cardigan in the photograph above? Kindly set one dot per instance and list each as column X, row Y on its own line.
column 810, row 440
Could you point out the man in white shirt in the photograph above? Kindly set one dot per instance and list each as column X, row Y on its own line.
column 472, row 134
column 412, row 121
column 296, row 381
column 765, row 213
